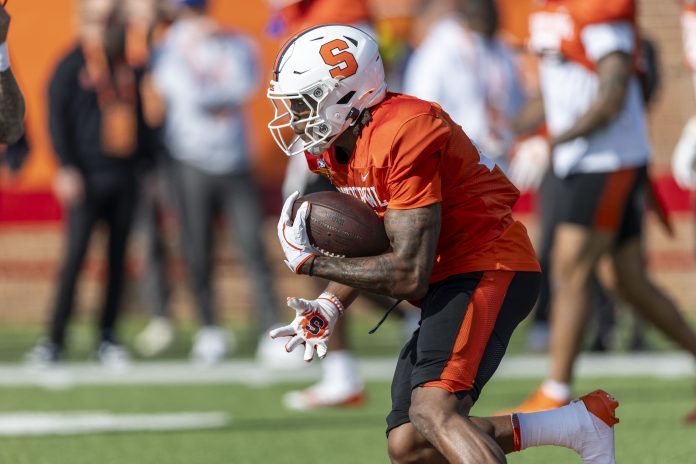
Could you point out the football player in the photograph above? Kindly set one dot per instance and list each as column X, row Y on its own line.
column 595, row 117
column 11, row 99
column 457, row 252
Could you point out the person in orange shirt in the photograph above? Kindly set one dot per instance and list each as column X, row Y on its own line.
column 456, row 251
column 340, row 383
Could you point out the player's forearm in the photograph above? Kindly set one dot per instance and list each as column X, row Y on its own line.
column 531, row 117
column 384, row 274
column 11, row 109
column 614, row 74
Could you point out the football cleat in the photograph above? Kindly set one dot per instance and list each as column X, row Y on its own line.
column 537, row 401
column 595, row 440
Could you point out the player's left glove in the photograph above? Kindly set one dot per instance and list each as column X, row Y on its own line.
column 314, row 321
column 293, row 234
column 684, row 157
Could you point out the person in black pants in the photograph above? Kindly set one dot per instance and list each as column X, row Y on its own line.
column 99, row 135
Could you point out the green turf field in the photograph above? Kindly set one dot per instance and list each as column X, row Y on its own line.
column 262, row 432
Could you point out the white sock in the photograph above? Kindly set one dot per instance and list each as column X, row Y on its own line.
column 4, row 57
column 555, row 427
column 557, row 390
column 340, row 370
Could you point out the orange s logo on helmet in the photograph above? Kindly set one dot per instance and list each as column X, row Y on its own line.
column 344, row 62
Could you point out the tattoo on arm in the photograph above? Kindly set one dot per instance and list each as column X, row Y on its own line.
column 11, row 109
column 614, row 72
column 402, row 272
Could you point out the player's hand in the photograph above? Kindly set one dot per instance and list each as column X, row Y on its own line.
column 313, row 324
column 531, row 160
column 293, row 234
column 68, row 186
column 4, row 23
column 684, row 157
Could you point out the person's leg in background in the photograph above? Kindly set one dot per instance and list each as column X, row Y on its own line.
column 195, row 194
column 158, row 334
column 118, row 212
column 81, row 219
column 550, row 187
column 243, row 211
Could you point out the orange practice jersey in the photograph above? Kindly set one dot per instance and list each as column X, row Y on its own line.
column 557, row 25
column 304, row 14
column 413, row 155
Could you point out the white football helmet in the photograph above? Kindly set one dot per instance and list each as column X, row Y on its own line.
column 323, row 79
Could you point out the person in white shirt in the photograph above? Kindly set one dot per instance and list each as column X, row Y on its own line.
column 595, row 116
column 205, row 74
column 464, row 66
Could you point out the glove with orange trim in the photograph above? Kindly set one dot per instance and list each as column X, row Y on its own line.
column 313, row 324
column 293, row 234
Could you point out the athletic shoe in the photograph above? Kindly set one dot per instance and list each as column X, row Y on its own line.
column 211, row 345
column 597, row 444
column 157, row 336
column 43, row 354
column 113, row 356
column 537, row 401
column 323, row 395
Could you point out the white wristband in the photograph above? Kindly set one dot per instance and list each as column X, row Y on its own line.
column 4, row 57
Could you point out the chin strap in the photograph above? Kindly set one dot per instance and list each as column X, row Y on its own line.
column 384, row 318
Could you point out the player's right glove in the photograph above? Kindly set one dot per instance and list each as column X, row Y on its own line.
column 531, row 160
column 313, row 324
column 684, row 157
column 293, row 236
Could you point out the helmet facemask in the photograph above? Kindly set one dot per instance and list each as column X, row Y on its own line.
column 323, row 79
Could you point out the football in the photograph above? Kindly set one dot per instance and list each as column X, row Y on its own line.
column 343, row 226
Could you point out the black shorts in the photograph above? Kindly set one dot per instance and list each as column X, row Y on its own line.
column 466, row 324
column 608, row 201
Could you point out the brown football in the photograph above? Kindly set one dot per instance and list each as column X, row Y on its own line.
column 341, row 225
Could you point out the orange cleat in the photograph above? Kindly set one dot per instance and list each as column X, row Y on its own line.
column 602, row 405
column 537, row 401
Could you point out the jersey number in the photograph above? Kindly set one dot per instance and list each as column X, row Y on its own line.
column 333, row 53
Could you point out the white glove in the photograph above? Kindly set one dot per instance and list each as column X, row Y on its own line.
column 314, row 321
column 684, row 157
column 293, row 234
column 531, row 160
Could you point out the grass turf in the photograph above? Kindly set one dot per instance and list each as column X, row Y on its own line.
column 261, row 431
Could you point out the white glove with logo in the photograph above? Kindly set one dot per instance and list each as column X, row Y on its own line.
column 293, row 234
column 314, row 321
column 531, row 160
column 684, row 157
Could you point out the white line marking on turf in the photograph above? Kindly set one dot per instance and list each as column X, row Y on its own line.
column 43, row 423
column 249, row 372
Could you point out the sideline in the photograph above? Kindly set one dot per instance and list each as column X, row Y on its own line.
column 250, row 372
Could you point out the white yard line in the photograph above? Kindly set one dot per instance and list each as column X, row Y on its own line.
column 70, row 423
column 249, row 372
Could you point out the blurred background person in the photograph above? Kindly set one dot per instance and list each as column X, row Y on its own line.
column 464, row 66
column 99, row 136
column 684, row 157
column 11, row 99
column 204, row 75
column 594, row 111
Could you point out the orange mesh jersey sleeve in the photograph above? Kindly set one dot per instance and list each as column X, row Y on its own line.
column 414, row 178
